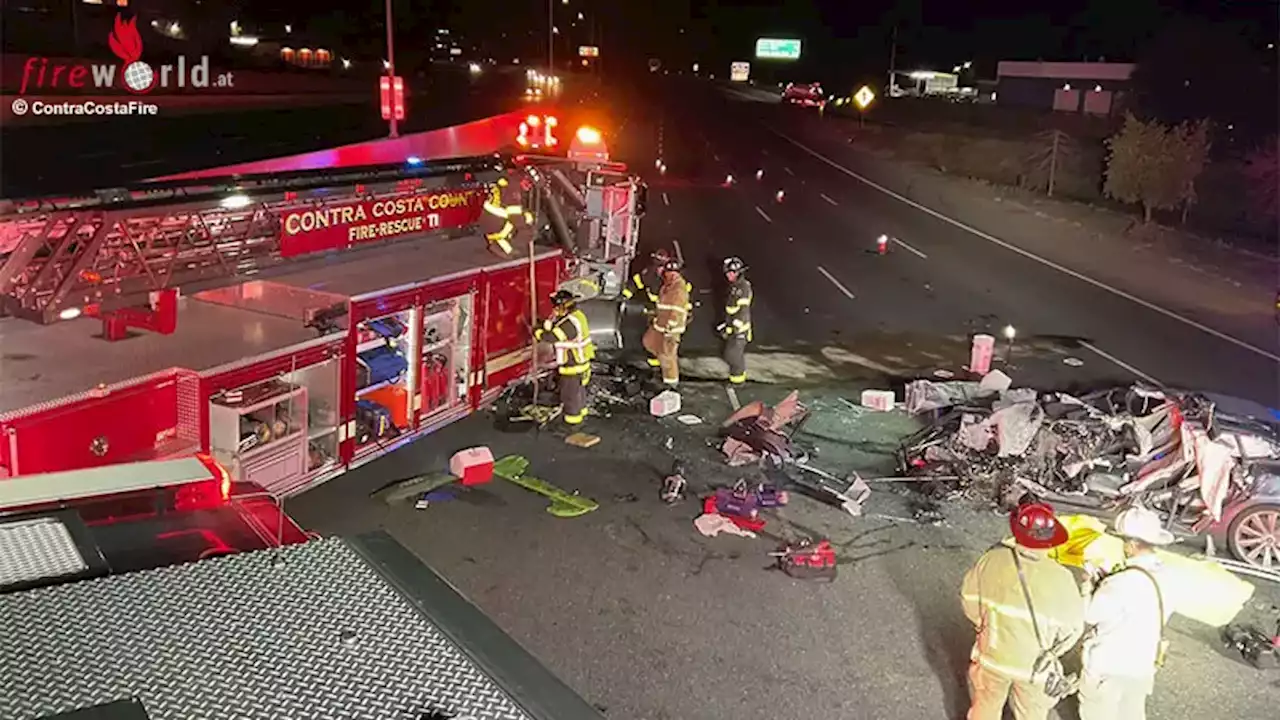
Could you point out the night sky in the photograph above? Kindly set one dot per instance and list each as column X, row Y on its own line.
column 841, row 36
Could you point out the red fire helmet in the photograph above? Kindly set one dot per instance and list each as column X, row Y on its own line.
column 1035, row 526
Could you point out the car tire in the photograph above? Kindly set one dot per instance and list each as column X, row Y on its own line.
column 1254, row 536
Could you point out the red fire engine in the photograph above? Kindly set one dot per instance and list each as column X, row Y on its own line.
column 291, row 325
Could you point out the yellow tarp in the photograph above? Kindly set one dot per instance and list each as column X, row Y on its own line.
column 1198, row 589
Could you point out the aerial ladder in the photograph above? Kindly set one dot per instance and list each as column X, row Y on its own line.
column 124, row 254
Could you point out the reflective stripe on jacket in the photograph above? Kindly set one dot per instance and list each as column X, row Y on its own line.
column 672, row 316
column 645, row 284
column 737, row 308
column 571, row 337
column 502, row 213
column 993, row 601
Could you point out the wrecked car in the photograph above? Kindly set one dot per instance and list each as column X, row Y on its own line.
column 1209, row 464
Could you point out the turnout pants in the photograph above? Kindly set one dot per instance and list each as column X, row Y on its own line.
column 735, row 353
column 667, row 349
column 573, row 397
column 1113, row 697
column 989, row 691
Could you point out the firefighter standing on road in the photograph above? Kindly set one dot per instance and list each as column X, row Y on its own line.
column 571, row 338
column 504, row 216
column 1028, row 611
column 736, row 328
column 670, row 319
column 645, row 284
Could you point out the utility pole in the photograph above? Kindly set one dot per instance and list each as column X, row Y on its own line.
column 893, row 60
column 551, row 37
column 391, row 71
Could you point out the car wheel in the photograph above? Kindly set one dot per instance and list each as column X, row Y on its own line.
column 1254, row 536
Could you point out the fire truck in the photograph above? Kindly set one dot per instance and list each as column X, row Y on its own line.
column 166, row 589
column 295, row 318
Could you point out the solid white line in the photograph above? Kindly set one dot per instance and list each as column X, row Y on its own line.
column 665, row 200
column 763, row 214
column 1119, row 363
column 784, row 167
column 1032, row 256
column 919, row 254
column 824, row 197
column 839, row 286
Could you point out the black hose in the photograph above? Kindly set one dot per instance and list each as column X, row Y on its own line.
column 567, row 239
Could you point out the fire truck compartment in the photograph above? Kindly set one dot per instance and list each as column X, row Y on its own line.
column 334, row 628
column 44, row 363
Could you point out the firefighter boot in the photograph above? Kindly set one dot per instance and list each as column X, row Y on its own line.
column 735, row 354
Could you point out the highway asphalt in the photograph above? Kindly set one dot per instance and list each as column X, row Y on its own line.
column 650, row 621
column 61, row 158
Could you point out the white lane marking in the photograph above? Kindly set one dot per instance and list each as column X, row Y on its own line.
column 665, row 200
column 918, row 254
column 1119, row 363
column 824, row 197
column 679, row 252
column 717, row 157
column 839, row 286
column 733, row 398
column 763, row 214
column 784, row 167
column 1172, row 315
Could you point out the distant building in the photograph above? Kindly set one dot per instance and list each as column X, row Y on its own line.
column 1097, row 88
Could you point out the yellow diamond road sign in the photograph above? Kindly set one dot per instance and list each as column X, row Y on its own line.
column 864, row 97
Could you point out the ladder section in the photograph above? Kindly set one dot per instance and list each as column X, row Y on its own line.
column 61, row 257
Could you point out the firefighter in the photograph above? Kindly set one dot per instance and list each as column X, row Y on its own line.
column 669, row 320
column 736, row 328
column 1028, row 611
column 504, row 216
column 645, row 284
column 1124, row 644
column 571, row 337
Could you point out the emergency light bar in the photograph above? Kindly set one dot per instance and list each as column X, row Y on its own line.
column 27, row 491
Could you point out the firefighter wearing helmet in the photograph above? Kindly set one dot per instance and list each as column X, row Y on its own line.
column 644, row 285
column 669, row 321
column 1028, row 612
column 570, row 335
column 504, row 216
column 736, row 328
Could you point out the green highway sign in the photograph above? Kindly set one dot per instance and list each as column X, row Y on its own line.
column 775, row 49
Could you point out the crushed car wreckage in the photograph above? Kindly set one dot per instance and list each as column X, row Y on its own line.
column 1209, row 464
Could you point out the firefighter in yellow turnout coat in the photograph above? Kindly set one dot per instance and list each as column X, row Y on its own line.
column 571, row 337
column 645, row 285
column 503, row 216
column 670, row 319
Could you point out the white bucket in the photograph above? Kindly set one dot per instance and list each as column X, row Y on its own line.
column 665, row 403
column 980, row 355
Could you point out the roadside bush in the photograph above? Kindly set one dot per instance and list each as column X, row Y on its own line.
column 1262, row 170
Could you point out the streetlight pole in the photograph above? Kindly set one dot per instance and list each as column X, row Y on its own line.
column 391, row 70
column 551, row 37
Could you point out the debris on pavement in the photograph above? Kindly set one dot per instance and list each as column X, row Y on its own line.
column 582, row 440
column 665, row 403
column 752, row 522
column 689, row 419
column 674, row 484
column 1260, row 650
column 563, row 504
column 881, row 400
column 712, row 524
column 807, row 560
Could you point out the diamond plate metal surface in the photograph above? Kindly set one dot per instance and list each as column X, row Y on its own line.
column 35, row 549
column 308, row 632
